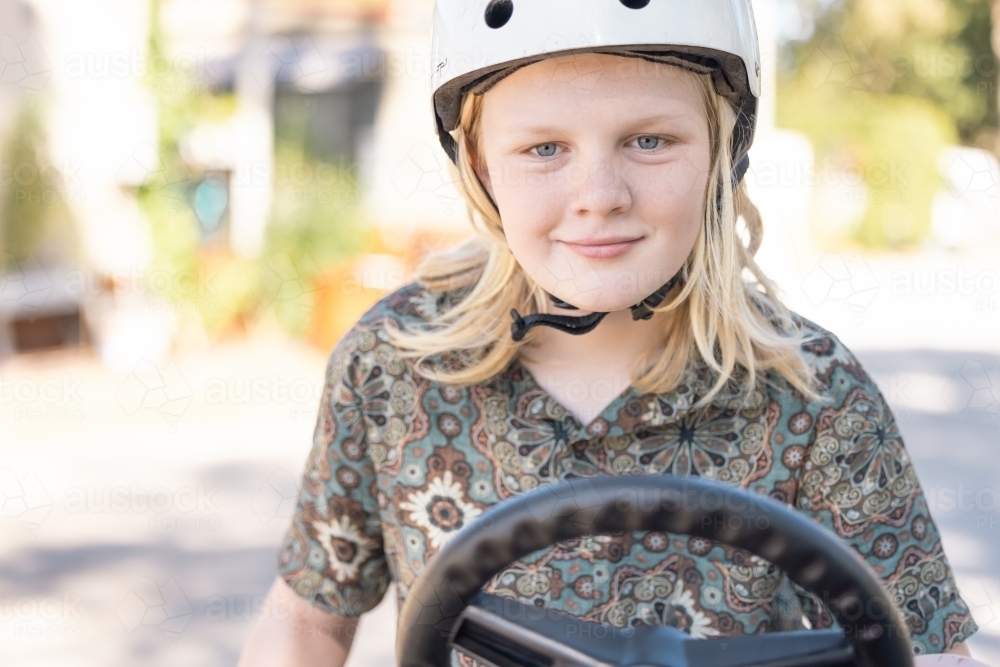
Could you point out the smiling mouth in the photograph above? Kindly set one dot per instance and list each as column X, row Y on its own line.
column 602, row 251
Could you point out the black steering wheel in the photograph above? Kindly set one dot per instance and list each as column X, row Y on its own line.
column 446, row 609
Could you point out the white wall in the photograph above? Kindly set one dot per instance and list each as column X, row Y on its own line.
column 411, row 184
column 101, row 116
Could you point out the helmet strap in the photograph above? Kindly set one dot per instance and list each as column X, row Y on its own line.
column 573, row 325
column 583, row 324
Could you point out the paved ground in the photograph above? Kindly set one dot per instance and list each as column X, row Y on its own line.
column 141, row 513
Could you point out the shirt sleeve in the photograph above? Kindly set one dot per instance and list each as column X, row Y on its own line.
column 858, row 480
column 332, row 554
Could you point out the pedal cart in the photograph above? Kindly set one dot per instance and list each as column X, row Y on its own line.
column 446, row 609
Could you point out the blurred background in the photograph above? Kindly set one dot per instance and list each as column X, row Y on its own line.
column 198, row 197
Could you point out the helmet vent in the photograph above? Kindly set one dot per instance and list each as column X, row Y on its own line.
column 635, row 4
column 498, row 12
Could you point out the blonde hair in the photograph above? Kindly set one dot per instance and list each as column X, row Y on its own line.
column 717, row 315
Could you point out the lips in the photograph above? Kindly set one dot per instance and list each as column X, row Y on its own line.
column 602, row 249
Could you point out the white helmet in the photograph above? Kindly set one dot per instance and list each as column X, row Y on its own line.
column 477, row 42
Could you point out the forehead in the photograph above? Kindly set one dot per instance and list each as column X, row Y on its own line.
column 621, row 85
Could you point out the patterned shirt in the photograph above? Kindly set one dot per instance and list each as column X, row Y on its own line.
column 399, row 464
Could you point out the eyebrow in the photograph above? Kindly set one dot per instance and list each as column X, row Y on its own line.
column 528, row 128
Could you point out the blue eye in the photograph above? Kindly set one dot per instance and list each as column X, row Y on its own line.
column 546, row 150
column 648, row 142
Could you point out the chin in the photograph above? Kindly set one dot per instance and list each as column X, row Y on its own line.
column 594, row 303
column 609, row 293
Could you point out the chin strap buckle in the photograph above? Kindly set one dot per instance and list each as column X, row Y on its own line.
column 643, row 309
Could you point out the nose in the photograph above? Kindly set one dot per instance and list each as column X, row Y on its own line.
column 599, row 186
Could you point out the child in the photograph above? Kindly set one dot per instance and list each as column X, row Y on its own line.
column 606, row 318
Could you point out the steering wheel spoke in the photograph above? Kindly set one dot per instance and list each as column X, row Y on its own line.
column 797, row 648
column 508, row 633
column 503, row 632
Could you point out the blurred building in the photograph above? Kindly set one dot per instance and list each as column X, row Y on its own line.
column 350, row 78
column 349, row 75
column 36, row 308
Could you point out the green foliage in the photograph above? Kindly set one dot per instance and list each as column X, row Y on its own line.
column 195, row 286
column 955, row 68
column 938, row 50
column 312, row 223
column 874, row 136
column 34, row 214
column 883, row 85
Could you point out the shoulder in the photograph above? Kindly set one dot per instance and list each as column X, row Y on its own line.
column 842, row 382
column 834, row 371
column 411, row 305
column 408, row 304
column 825, row 353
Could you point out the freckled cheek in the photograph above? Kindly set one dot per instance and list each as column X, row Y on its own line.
column 686, row 178
column 531, row 207
column 672, row 197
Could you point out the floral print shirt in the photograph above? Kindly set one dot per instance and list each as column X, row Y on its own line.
column 399, row 464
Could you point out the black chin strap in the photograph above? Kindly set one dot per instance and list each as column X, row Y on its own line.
column 573, row 325
column 640, row 311
column 581, row 325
